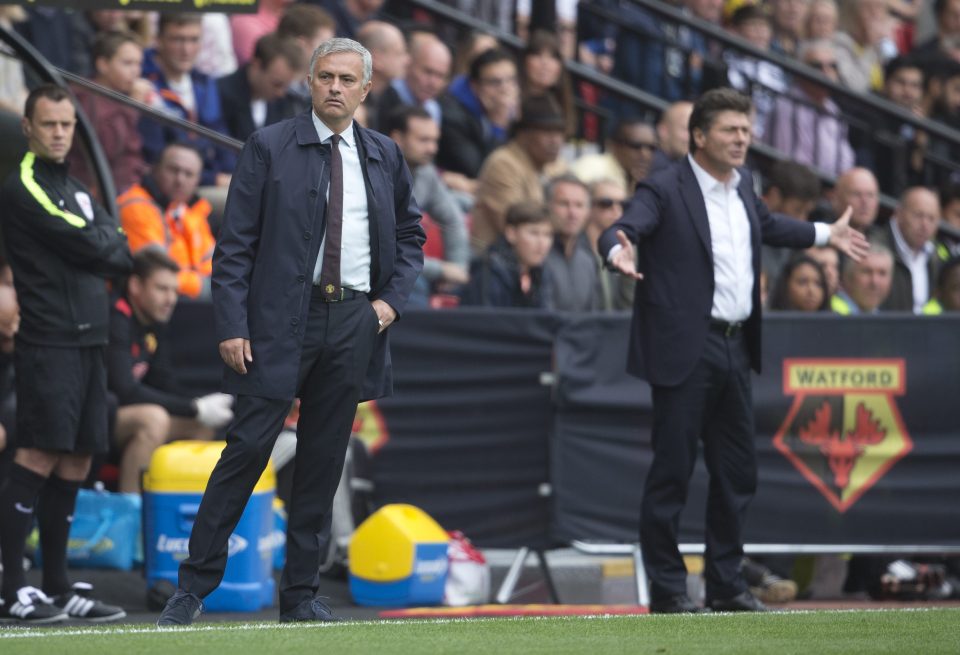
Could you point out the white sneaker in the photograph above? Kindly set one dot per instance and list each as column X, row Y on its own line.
column 32, row 606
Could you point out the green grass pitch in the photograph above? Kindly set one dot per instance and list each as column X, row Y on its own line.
column 909, row 632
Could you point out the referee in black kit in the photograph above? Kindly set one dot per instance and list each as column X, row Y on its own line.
column 62, row 247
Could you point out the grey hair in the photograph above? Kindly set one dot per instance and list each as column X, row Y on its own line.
column 333, row 46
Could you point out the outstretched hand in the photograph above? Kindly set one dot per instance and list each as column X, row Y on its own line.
column 848, row 240
column 625, row 259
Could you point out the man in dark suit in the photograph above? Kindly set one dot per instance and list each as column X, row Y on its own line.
column 320, row 247
column 256, row 94
column 695, row 336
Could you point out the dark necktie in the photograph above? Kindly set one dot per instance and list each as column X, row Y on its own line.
column 330, row 269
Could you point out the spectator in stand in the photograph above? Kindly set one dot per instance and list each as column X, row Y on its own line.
column 350, row 15
column 829, row 260
column 792, row 189
column 559, row 18
column 257, row 94
column 308, row 26
column 947, row 41
column 468, row 48
column 390, row 60
column 663, row 61
column 249, row 28
column 948, row 234
column 140, row 374
column 762, row 80
column 858, row 188
column 943, row 98
column 186, row 93
column 865, row 285
column 216, row 58
column 802, row 287
column 823, row 20
column 893, row 149
column 909, row 236
column 864, row 44
column 542, row 73
column 947, row 296
column 514, row 171
column 571, row 274
column 117, row 58
column 13, row 90
column 608, row 200
column 426, row 78
column 789, row 18
column 628, row 157
column 164, row 211
column 673, row 133
column 510, row 272
column 806, row 123
column 414, row 130
column 477, row 113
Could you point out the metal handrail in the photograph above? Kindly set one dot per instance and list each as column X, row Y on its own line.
column 788, row 64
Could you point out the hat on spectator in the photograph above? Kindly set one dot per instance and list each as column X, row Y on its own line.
column 540, row 113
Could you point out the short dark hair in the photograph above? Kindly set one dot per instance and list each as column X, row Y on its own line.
column 488, row 58
column 151, row 259
column 272, row 46
column 528, row 212
column 106, row 45
column 900, row 63
column 564, row 178
column 398, row 118
column 794, row 180
column 49, row 91
column 779, row 295
column 713, row 102
column 175, row 19
column 180, row 143
column 618, row 132
column 949, row 193
column 303, row 21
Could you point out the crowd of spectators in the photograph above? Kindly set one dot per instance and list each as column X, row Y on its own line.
column 514, row 190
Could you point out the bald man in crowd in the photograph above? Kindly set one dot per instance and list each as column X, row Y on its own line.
column 427, row 75
column 858, row 188
column 390, row 58
column 673, row 133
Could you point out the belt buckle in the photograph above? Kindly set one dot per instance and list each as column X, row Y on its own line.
column 731, row 330
column 330, row 298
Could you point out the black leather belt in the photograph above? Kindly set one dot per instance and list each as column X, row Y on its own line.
column 726, row 329
column 345, row 294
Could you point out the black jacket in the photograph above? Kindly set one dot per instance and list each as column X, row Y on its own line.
column 235, row 98
column 139, row 370
column 62, row 246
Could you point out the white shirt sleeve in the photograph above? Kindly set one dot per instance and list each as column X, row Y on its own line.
column 823, row 234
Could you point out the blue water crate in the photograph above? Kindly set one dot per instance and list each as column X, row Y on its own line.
column 172, row 489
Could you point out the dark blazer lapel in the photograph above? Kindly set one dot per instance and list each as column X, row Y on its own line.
column 745, row 189
column 693, row 198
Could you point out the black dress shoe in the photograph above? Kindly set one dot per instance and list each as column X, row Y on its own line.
column 676, row 605
column 742, row 602
column 311, row 609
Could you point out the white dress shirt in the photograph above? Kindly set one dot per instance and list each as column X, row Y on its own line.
column 355, row 238
column 916, row 262
column 730, row 244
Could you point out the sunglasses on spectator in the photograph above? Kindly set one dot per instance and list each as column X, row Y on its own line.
column 607, row 203
column 638, row 145
column 823, row 65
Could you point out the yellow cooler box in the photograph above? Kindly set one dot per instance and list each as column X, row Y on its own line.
column 172, row 488
column 398, row 557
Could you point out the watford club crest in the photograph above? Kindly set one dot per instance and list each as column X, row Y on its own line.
column 844, row 431
column 369, row 426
